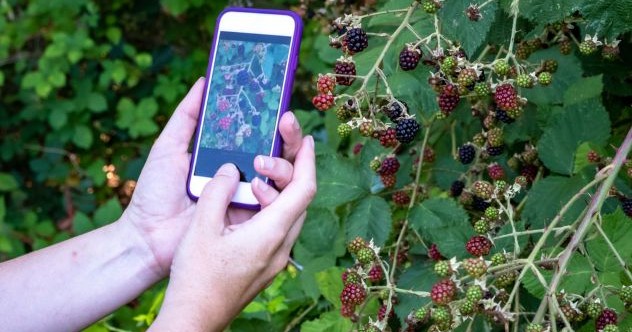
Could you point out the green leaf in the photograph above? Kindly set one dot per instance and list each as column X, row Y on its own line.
column 45, row 229
column 312, row 266
column 458, row 27
column 57, row 118
column 97, row 102
column 82, row 137
column 143, row 60
column 81, row 223
column 370, row 219
column 607, row 18
column 568, row 73
column 175, row 7
column 442, row 221
column 587, row 121
column 581, row 159
column 584, row 89
column 3, row 209
column 419, row 276
column 330, row 284
column 108, row 212
column 508, row 242
column 412, row 87
column 547, row 11
column 5, row 244
column 7, row 182
column 329, row 321
column 113, row 34
column 339, row 182
column 548, row 196
column 320, row 231
column 576, row 280
column 1, row 78
column 617, row 227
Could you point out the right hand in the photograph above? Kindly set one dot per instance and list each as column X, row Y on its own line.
column 219, row 267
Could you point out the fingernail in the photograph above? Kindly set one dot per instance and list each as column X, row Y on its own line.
column 265, row 162
column 294, row 121
column 261, row 185
column 227, row 169
column 310, row 140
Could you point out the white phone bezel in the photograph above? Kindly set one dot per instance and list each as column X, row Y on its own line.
column 243, row 22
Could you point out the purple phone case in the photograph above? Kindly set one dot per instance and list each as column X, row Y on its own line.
column 287, row 88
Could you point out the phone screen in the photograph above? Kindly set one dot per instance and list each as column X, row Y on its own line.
column 242, row 101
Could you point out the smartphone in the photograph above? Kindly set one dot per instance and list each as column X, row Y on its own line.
column 249, row 79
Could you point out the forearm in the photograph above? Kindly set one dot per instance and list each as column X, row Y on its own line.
column 69, row 285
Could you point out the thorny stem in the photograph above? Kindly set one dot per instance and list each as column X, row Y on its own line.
column 384, row 12
column 389, row 42
column 593, row 211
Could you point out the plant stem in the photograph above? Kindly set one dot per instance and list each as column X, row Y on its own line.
column 298, row 319
column 593, row 211
column 515, row 10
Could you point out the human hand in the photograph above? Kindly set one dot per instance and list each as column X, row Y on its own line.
column 219, row 266
column 160, row 210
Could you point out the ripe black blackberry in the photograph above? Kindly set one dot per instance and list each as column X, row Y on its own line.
column 389, row 166
column 479, row 204
column 456, row 188
column 467, row 153
column 356, row 40
column 395, row 109
column 407, row 129
column 409, row 58
column 495, row 150
column 502, row 116
column 626, row 205
column 347, row 70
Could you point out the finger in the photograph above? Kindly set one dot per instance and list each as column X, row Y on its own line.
column 277, row 169
column 178, row 131
column 282, row 255
column 295, row 198
column 292, row 136
column 213, row 202
column 264, row 193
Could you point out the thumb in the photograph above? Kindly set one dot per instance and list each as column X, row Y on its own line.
column 216, row 196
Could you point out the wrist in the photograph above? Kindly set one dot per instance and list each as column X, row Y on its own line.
column 138, row 244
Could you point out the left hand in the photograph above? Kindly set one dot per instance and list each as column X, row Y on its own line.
column 161, row 211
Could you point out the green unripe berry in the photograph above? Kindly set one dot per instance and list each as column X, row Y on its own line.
column 524, row 81
column 366, row 256
column 501, row 68
column 498, row 258
column 344, row 130
column 533, row 327
column 545, row 78
column 491, row 213
column 482, row 89
column 474, row 293
column 443, row 269
column 421, row 314
column 441, row 314
column 375, row 164
column 610, row 328
column 594, row 309
column 481, row 226
column 626, row 294
column 467, row 308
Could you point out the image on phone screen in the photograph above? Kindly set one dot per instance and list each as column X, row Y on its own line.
column 242, row 103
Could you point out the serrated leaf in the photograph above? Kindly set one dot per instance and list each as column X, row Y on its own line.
column 584, row 89
column 412, row 87
column 339, row 182
column 419, row 276
column 370, row 219
column 617, row 227
column 547, row 11
column 607, row 18
column 576, row 280
column 458, row 27
column 319, row 231
column 443, row 222
column 330, row 284
column 108, row 212
column 310, row 269
column 329, row 321
column 548, row 196
column 82, row 136
column 587, row 121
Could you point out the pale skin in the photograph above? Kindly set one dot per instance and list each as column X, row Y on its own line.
column 218, row 257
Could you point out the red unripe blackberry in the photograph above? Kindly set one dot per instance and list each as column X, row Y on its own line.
column 429, row 155
column 409, row 57
column 323, row 102
column 381, row 314
column 467, row 153
column 388, row 138
column 495, row 171
column 457, row 188
column 433, row 253
column 443, row 292
column 357, row 148
column 478, row 246
column 356, row 244
column 347, row 310
column 366, row 128
column 353, row 294
column 483, row 189
column 529, row 172
column 593, row 157
column 466, row 78
column 326, row 83
column 626, row 205
column 449, row 99
column 395, row 110
column 610, row 52
column 356, row 40
column 506, row 97
column 376, row 274
column 401, row 198
column 390, row 165
column 406, row 130
column 389, row 181
column 607, row 316
column 475, row 267
column 345, row 72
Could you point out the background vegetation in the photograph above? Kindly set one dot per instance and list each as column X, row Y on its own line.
column 86, row 86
